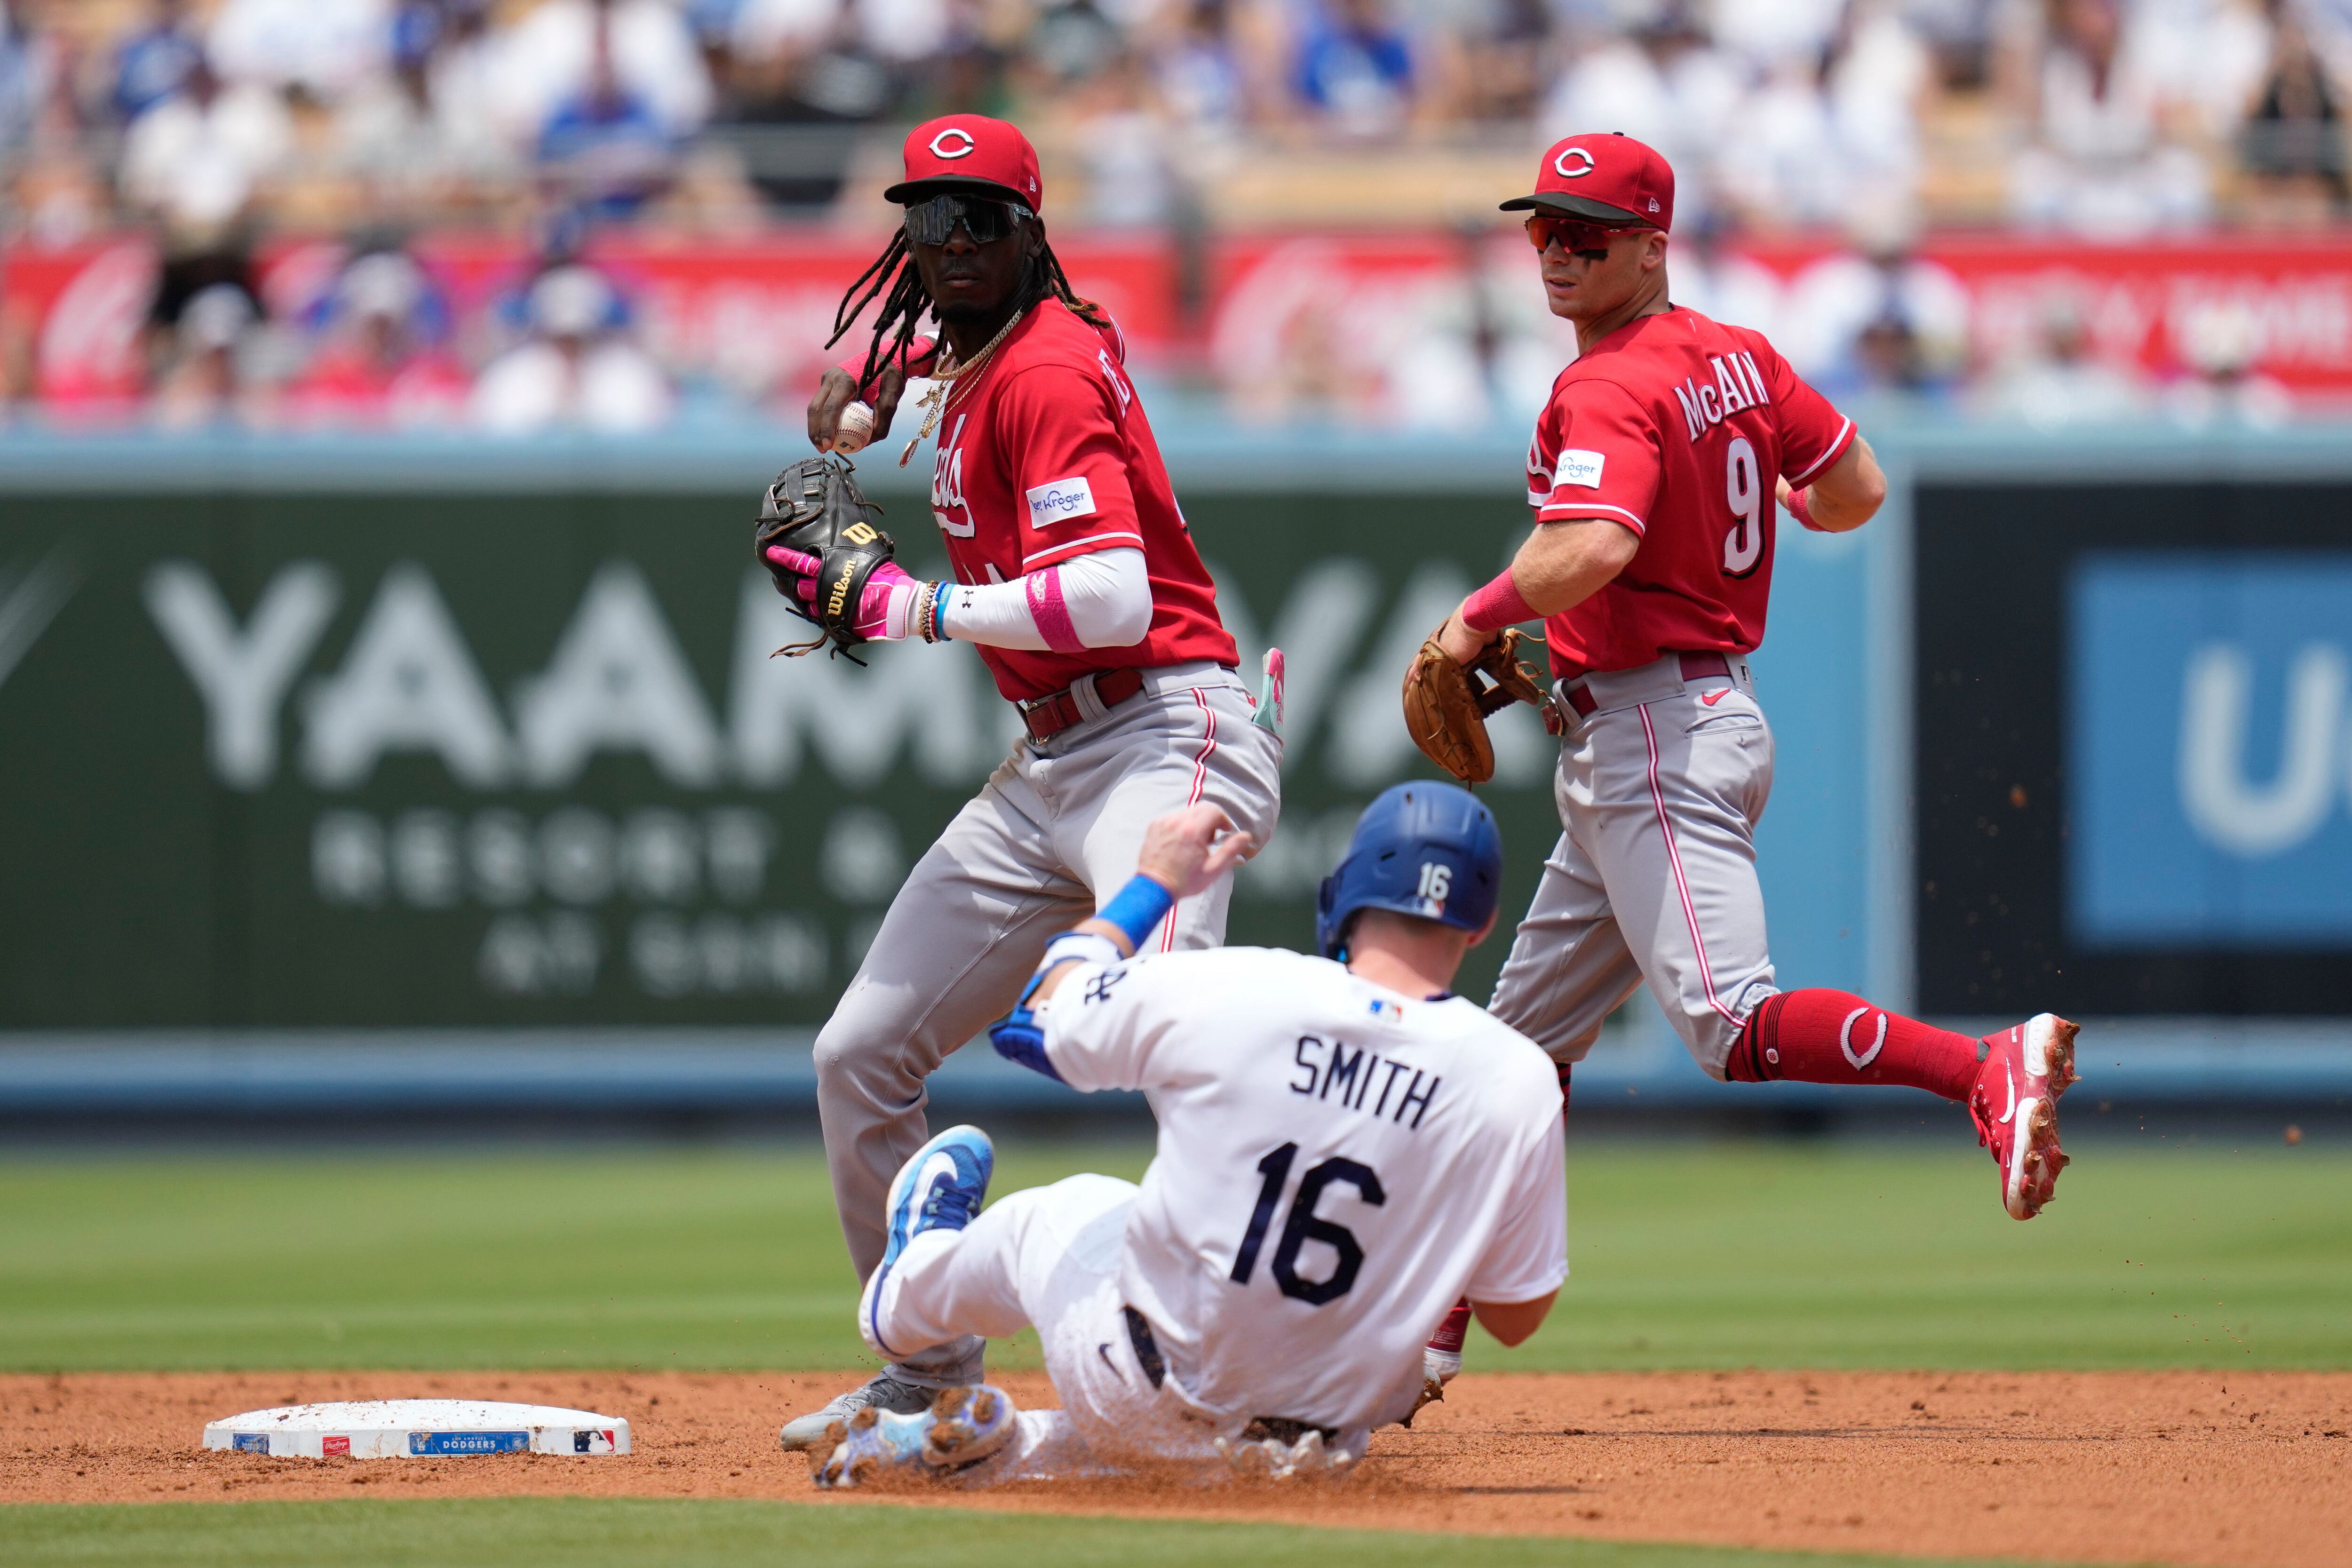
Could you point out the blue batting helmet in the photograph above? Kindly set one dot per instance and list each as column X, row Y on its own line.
column 1426, row 849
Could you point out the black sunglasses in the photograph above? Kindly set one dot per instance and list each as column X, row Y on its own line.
column 934, row 221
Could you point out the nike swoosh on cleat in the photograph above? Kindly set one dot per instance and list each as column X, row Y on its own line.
column 941, row 1167
column 2010, row 1073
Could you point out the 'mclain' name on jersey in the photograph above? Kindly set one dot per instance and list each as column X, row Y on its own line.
column 1738, row 384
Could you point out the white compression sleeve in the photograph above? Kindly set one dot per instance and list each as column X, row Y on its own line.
column 1103, row 600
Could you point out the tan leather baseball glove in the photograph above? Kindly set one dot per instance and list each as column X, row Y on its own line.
column 1446, row 704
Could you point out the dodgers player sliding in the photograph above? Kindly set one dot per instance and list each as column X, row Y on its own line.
column 1653, row 474
column 1344, row 1150
column 1076, row 578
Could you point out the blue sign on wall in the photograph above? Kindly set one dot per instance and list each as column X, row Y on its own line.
column 2210, row 750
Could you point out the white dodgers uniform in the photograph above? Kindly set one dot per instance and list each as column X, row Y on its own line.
column 1336, row 1166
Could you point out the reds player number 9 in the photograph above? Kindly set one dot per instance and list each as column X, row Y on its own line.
column 1743, row 486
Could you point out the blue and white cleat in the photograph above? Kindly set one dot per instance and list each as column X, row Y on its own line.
column 875, row 1447
column 941, row 1188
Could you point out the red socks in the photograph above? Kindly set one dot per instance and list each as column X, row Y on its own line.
column 1819, row 1036
column 1447, row 1340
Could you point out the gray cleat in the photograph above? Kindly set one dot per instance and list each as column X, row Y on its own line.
column 886, row 1393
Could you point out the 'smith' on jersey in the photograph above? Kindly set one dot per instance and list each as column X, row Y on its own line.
column 1336, row 1166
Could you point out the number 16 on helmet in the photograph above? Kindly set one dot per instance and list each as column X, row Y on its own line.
column 1426, row 849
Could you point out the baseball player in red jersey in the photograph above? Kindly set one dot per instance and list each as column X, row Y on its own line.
column 1079, row 581
column 1654, row 475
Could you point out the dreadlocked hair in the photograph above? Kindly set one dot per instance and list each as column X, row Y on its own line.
column 894, row 279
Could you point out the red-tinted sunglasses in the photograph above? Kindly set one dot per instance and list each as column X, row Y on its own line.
column 1574, row 234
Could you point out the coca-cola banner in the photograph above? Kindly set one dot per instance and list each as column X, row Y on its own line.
column 1422, row 328
column 753, row 315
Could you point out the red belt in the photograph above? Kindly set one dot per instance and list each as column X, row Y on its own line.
column 1694, row 666
column 1049, row 715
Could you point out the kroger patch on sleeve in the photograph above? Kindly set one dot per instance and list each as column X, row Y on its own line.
column 1061, row 501
column 1579, row 467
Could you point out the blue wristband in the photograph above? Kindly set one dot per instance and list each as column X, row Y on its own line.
column 1139, row 907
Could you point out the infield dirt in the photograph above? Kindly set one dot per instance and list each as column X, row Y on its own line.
column 2181, row 1467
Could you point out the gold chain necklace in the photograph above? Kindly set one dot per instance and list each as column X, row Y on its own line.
column 935, row 401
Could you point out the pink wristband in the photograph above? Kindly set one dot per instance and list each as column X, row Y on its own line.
column 1498, row 605
column 1800, row 507
column 1051, row 611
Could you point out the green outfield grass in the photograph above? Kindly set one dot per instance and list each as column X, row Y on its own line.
column 1685, row 1256
column 660, row 1535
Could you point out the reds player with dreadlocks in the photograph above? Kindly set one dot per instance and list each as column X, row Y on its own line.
column 1078, row 583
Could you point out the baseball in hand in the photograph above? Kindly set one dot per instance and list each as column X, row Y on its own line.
column 856, row 429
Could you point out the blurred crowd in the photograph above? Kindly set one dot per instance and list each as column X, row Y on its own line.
column 211, row 122
column 2100, row 116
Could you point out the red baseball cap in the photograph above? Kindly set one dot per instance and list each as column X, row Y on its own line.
column 1607, row 177
column 970, row 153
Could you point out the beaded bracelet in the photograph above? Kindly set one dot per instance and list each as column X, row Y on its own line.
column 932, row 613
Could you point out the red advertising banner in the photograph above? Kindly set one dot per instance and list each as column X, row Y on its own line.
column 2145, row 304
column 1402, row 328
column 754, row 313
column 1366, row 315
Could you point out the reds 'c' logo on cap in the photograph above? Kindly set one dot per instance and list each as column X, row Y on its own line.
column 969, row 152
column 1584, row 165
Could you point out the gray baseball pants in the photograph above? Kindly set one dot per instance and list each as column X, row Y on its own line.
column 1055, row 832
column 1659, row 791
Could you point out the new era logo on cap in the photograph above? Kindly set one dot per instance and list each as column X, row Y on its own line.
column 1608, row 178
column 972, row 153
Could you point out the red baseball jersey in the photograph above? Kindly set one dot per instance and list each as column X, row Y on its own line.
column 1046, row 455
column 1677, row 427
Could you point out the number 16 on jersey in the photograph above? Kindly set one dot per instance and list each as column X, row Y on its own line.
column 1304, row 1226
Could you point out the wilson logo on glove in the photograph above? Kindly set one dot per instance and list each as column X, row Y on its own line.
column 815, row 517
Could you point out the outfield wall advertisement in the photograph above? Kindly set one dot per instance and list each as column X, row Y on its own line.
column 2133, row 748
column 515, row 759
column 338, row 761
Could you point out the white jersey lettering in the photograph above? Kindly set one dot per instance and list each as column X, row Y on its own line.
column 947, row 485
column 1110, row 373
column 1737, row 385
